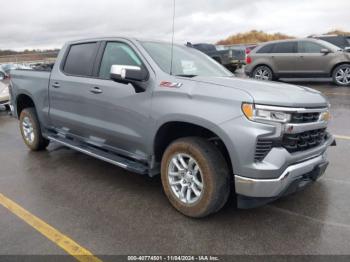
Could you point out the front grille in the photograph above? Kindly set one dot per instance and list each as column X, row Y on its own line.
column 303, row 141
column 291, row 142
column 304, row 117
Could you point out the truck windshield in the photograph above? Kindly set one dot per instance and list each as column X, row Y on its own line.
column 187, row 61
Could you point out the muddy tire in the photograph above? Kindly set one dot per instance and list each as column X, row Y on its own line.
column 30, row 130
column 195, row 177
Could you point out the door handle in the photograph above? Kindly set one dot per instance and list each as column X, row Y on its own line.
column 56, row 85
column 96, row 90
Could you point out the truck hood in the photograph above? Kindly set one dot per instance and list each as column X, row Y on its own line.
column 270, row 93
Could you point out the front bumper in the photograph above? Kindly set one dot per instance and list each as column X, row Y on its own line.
column 4, row 102
column 270, row 188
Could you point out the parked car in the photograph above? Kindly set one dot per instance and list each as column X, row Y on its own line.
column 341, row 41
column 3, row 75
column 8, row 67
column 299, row 58
column 125, row 101
column 249, row 48
column 4, row 96
column 228, row 58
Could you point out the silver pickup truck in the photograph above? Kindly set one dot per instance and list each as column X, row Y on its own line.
column 142, row 107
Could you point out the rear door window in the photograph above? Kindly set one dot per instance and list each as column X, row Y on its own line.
column 309, row 47
column 265, row 49
column 284, row 47
column 80, row 59
column 117, row 54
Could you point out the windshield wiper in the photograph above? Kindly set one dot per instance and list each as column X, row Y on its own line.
column 184, row 75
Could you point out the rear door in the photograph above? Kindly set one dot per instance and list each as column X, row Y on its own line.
column 310, row 59
column 69, row 88
column 283, row 57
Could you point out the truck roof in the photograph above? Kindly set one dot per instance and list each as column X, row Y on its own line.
column 109, row 38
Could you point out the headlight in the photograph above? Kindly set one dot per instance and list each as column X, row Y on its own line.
column 264, row 115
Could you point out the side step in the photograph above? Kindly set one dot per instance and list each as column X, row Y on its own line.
column 109, row 157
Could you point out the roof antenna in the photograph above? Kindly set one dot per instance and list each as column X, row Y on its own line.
column 172, row 41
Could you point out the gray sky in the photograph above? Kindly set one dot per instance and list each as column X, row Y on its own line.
column 49, row 23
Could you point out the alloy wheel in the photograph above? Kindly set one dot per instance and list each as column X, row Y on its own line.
column 342, row 76
column 28, row 130
column 185, row 178
column 262, row 74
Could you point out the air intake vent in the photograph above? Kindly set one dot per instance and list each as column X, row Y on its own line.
column 263, row 147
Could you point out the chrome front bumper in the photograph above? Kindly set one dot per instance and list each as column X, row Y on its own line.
column 274, row 187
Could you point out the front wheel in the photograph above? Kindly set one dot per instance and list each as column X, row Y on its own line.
column 262, row 73
column 341, row 75
column 195, row 177
column 30, row 130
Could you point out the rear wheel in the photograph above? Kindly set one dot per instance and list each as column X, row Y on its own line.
column 195, row 177
column 341, row 75
column 30, row 130
column 262, row 73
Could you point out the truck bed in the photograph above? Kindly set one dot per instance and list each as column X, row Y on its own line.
column 35, row 84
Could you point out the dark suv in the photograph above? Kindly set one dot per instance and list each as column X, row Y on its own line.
column 343, row 41
column 299, row 58
column 228, row 58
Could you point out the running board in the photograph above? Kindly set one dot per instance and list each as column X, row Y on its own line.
column 109, row 157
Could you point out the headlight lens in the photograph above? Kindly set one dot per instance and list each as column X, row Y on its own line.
column 263, row 115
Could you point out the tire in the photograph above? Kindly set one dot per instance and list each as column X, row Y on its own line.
column 212, row 173
column 30, row 130
column 263, row 73
column 232, row 68
column 7, row 107
column 341, row 75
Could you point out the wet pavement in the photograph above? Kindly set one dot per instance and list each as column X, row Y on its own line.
column 111, row 211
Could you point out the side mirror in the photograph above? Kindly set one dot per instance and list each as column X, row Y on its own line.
column 324, row 51
column 125, row 73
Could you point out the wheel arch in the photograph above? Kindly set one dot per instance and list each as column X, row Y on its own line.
column 172, row 130
column 23, row 101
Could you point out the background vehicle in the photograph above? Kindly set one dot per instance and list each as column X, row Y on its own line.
column 341, row 41
column 8, row 67
column 4, row 96
column 249, row 48
column 231, row 59
column 207, row 133
column 299, row 58
column 3, row 75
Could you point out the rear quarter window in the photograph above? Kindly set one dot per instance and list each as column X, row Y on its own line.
column 80, row 59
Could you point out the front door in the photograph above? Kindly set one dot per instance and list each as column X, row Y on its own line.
column 118, row 113
column 310, row 59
